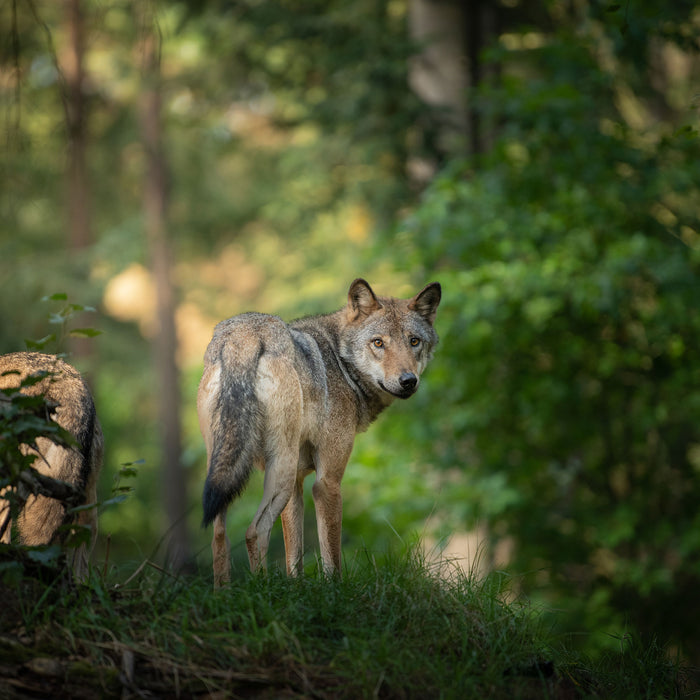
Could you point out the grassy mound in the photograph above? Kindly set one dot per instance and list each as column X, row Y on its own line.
column 389, row 629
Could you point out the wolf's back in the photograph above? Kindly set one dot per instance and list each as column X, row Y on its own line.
column 229, row 406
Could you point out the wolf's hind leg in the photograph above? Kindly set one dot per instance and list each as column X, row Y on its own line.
column 280, row 479
column 293, row 528
column 220, row 548
column 279, row 391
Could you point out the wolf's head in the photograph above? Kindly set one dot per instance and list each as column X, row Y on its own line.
column 389, row 341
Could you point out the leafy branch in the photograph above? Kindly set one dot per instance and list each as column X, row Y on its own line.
column 62, row 318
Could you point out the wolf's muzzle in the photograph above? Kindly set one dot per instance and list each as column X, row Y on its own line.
column 408, row 382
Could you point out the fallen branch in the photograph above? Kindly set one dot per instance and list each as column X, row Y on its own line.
column 33, row 482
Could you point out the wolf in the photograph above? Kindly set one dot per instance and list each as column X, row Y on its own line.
column 74, row 410
column 289, row 398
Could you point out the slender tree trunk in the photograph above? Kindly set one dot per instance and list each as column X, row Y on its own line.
column 439, row 74
column 481, row 27
column 155, row 214
column 77, row 189
column 74, row 72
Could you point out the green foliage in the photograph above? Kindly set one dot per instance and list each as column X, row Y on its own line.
column 568, row 385
column 120, row 491
column 55, row 342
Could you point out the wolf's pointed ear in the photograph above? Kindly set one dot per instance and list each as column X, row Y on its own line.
column 426, row 302
column 361, row 299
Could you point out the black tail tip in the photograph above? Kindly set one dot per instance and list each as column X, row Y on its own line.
column 214, row 501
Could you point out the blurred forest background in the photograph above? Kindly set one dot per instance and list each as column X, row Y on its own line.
column 174, row 163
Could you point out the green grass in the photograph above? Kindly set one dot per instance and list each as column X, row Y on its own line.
column 390, row 629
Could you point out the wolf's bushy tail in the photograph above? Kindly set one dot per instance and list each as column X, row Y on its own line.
column 236, row 425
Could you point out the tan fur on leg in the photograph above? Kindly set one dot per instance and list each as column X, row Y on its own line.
column 220, row 547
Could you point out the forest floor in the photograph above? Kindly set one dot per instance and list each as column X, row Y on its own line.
column 389, row 629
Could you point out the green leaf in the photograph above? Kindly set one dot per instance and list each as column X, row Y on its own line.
column 48, row 556
column 40, row 344
column 114, row 500
column 81, row 509
column 85, row 332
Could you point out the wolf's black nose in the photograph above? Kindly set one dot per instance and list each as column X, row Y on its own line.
column 408, row 380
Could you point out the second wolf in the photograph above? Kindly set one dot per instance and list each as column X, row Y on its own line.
column 40, row 520
column 290, row 398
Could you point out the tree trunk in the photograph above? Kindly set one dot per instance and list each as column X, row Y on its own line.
column 165, row 347
column 77, row 188
column 74, row 72
column 439, row 75
column 453, row 34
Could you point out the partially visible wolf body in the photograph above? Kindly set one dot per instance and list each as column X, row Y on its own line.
column 290, row 398
column 64, row 388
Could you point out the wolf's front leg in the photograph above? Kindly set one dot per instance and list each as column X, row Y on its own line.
column 329, row 517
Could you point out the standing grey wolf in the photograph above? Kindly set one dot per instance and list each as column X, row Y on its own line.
column 290, row 398
column 79, row 465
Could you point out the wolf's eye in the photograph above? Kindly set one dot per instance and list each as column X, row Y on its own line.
column 378, row 343
column 415, row 342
